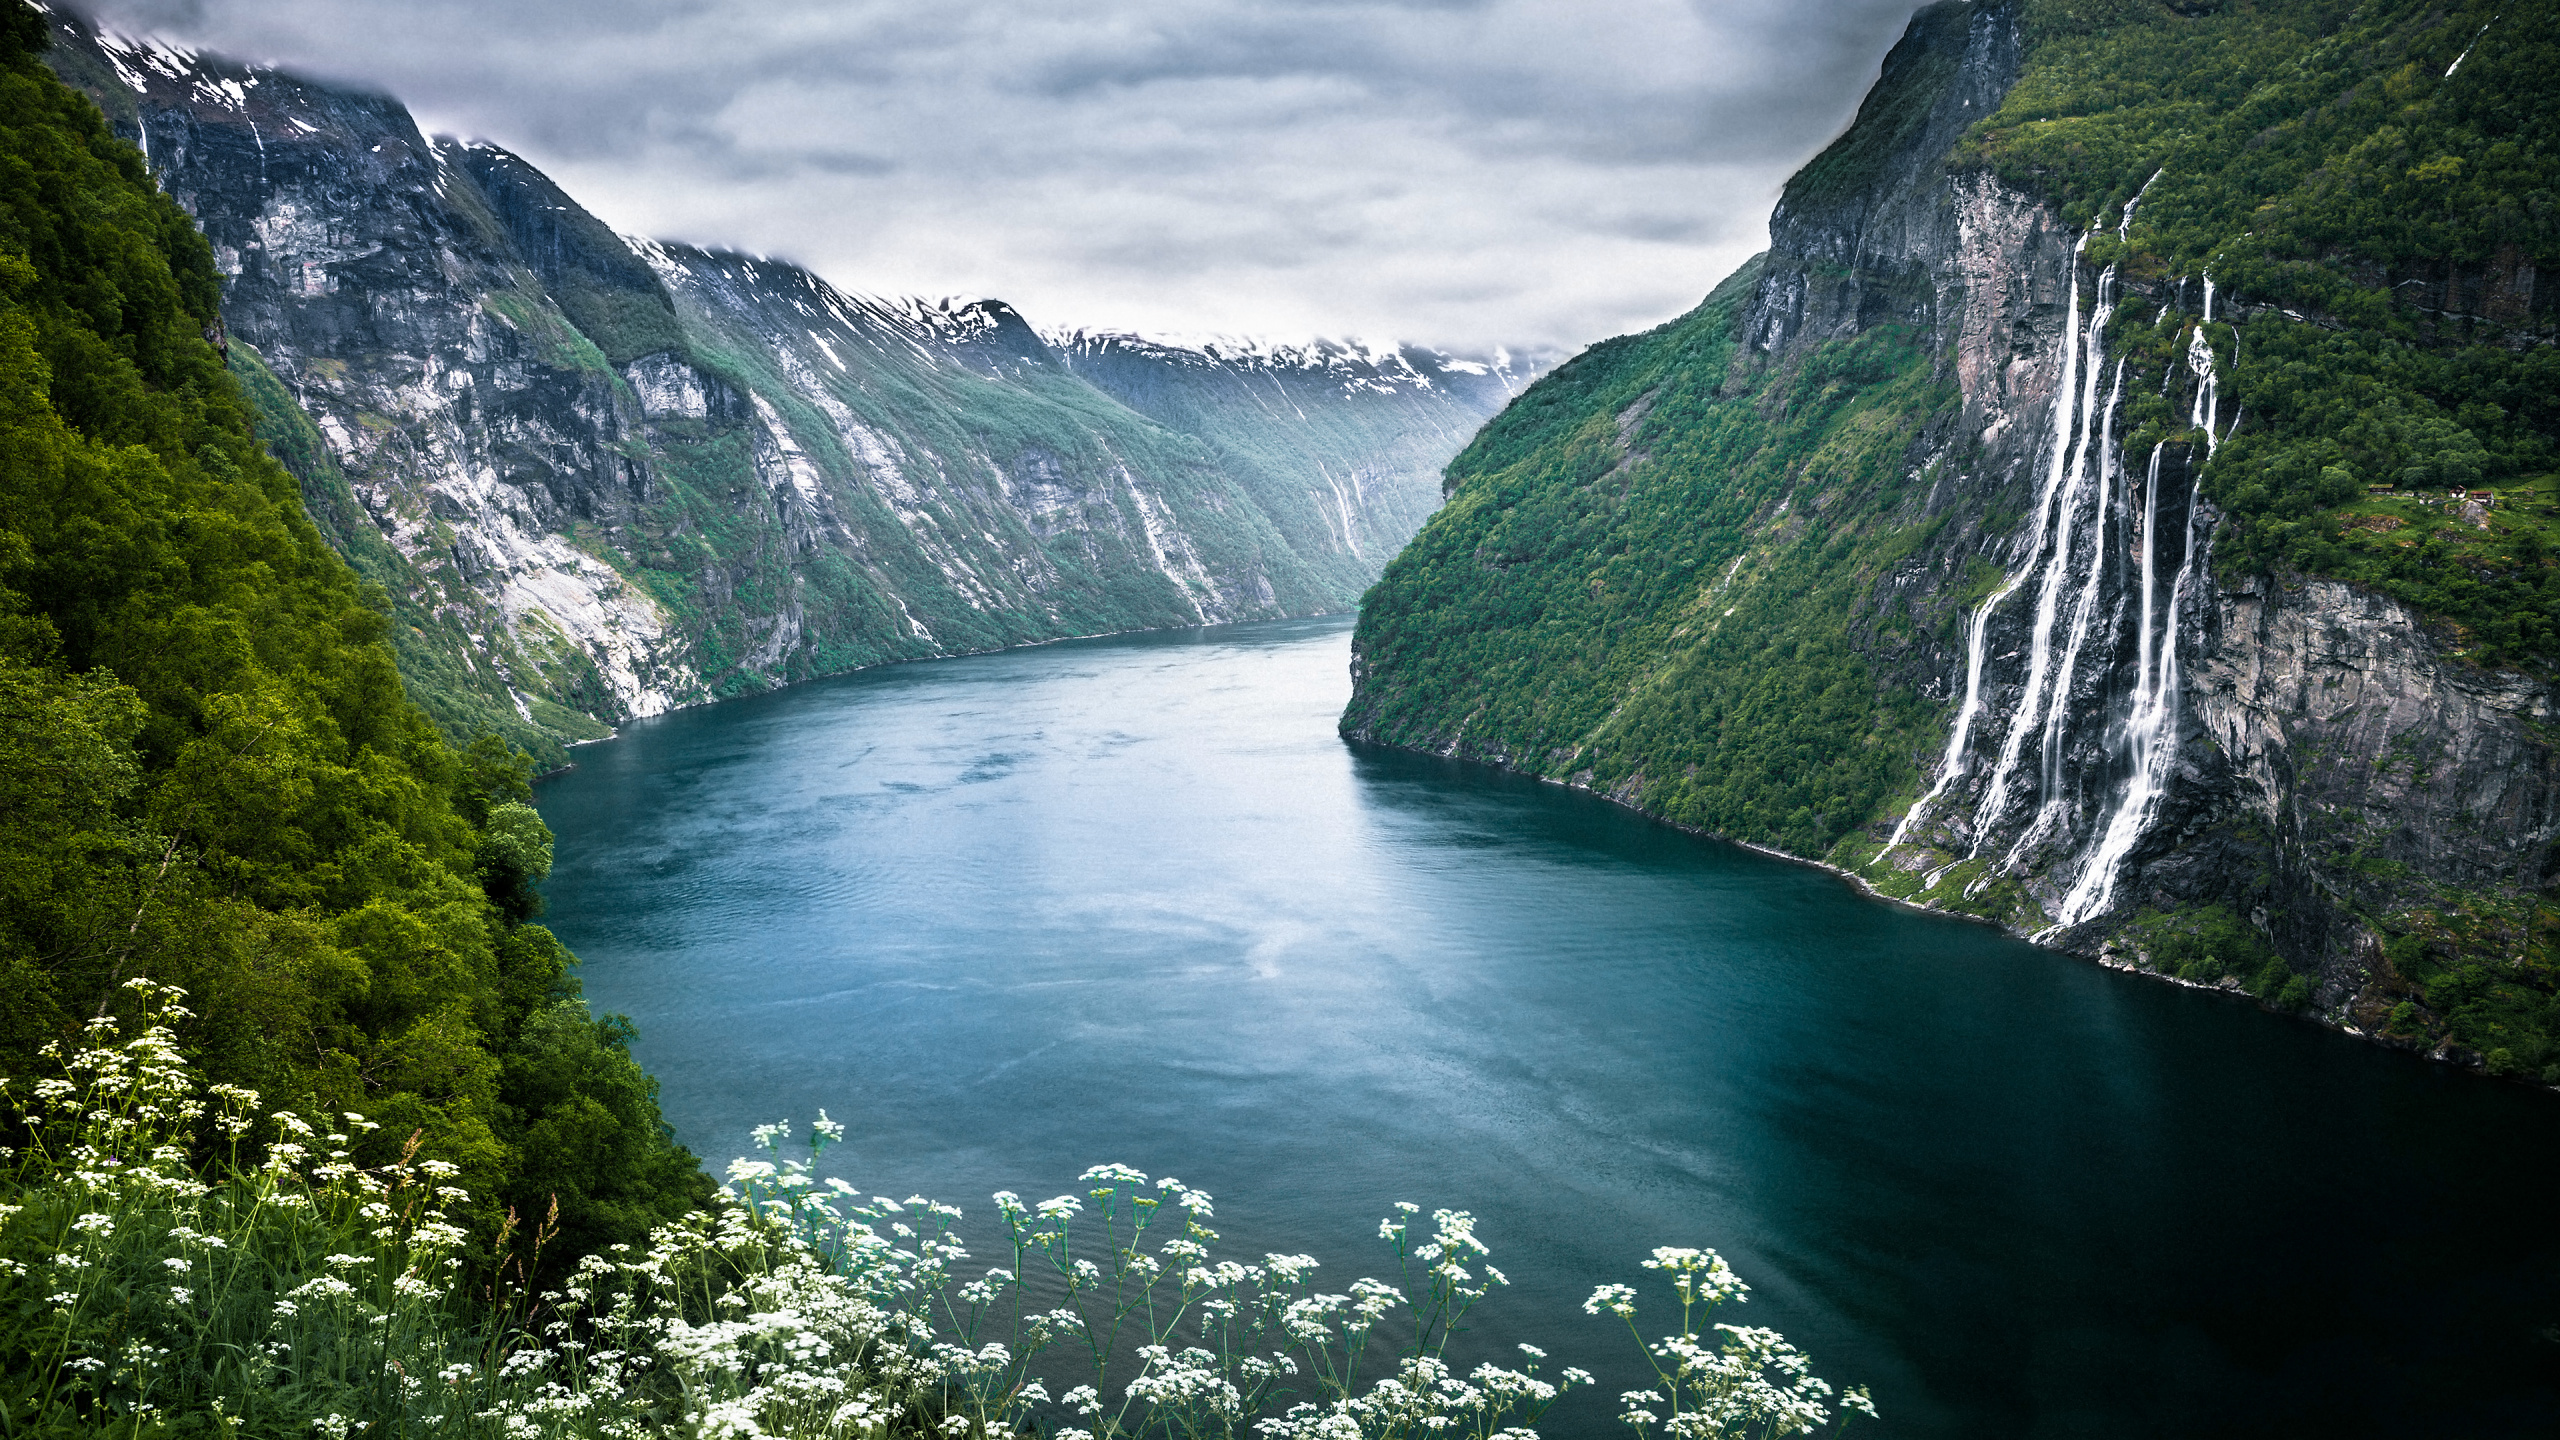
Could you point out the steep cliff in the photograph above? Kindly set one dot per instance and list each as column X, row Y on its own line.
column 598, row 477
column 1971, row 539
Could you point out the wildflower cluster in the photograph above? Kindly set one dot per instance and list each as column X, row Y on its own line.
column 1754, row 1384
column 1116, row 1293
column 136, row 1284
column 278, row 1287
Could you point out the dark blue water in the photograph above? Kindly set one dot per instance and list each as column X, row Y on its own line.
column 1133, row 900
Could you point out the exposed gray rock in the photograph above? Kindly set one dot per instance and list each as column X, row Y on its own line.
column 601, row 477
column 2328, row 766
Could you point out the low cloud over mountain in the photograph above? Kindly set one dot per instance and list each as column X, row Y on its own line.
column 1468, row 172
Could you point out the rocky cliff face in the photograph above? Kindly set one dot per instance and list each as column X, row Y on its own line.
column 599, row 477
column 2130, row 732
column 2106, row 741
column 2347, row 780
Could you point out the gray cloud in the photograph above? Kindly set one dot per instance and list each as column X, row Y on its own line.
column 1459, row 172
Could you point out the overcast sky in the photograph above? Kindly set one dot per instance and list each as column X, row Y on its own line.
column 1452, row 172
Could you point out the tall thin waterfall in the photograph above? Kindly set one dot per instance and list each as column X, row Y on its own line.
column 1959, row 740
column 2074, row 413
column 2080, row 490
column 2084, row 620
column 2208, row 403
column 2069, row 556
column 2151, row 730
column 2124, row 222
column 2084, row 614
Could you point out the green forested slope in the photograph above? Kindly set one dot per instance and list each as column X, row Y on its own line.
column 2332, row 160
column 209, row 773
column 2310, row 156
column 1730, row 584
column 1637, row 603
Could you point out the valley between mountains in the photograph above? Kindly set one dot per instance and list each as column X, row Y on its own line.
column 598, row 477
column 2121, row 507
column 2117, row 506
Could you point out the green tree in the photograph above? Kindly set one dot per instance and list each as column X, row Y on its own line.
column 209, row 772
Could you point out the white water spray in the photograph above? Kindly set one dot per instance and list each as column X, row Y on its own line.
column 2150, row 545
column 2080, row 480
column 2073, row 417
column 1960, row 738
column 2124, row 222
column 2096, row 458
column 2084, row 614
column 2151, row 730
column 2208, row 402
column 1953, row 764
column 2474, row 45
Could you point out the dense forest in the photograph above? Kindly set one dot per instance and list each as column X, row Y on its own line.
column 212, row 777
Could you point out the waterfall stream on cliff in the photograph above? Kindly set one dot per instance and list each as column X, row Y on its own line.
column 2150, row 729
column 2150, row 734
column 2085, row 608
column 2081, row 425
column 2064, row 485
column 1961, row 737
column 2208, row 402
column 2081, row 491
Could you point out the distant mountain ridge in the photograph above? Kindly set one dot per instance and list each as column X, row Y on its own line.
column 1351, row 362
column 1389, row 417
column 598, row 476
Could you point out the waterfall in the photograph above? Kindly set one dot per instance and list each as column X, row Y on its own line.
column 2124, row 222
column 2151, row 730
column 2150, row 528
column 2073, row 415
column 1953, row 764
column 2080, row 479
column 1961, row 737
column 2102, row 461
column 2087, row 609
column 2208, row 402
column 2474, row 45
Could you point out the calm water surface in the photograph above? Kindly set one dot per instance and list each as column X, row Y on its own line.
column 1132, row 900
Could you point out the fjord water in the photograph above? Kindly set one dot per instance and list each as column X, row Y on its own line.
column 1133, row 900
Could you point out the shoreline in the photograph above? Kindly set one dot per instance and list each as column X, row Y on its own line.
column 926, row 659
column 2106, row 958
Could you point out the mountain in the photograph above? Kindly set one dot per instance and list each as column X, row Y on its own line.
column 596, row 477
column 1378, row 423
column 2118, row 505
column 212, row 779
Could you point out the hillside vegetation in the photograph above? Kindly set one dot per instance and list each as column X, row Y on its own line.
column 2369, row 182
column 600, row 477
column 306, row 1130
column 209, row 773
column 1670, row 594
column 1729, row 585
